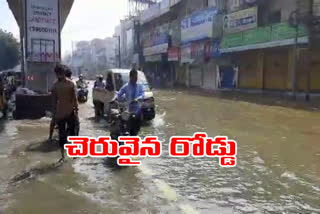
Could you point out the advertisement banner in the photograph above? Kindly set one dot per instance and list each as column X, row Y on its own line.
column 241, row 20
column 197, row 50
column 156, row 37
column 201, row 50
column 198, row 26
column 42, row 31
column 173, row 54
column 163, row 48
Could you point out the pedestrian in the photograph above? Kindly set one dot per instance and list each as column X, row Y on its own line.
column 76, row 116
column 65, row 106
column 99, row 83
column 109, row 83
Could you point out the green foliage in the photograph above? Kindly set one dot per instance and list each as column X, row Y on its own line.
column 9, row 51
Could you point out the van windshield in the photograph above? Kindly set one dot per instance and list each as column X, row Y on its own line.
column 123, row 78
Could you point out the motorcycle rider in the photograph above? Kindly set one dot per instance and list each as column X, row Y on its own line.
column 81, row 83
column 133, row 92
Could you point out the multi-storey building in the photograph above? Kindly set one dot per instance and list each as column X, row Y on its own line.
column 247, row 44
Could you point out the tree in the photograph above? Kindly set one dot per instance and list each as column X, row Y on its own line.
column 9, row 51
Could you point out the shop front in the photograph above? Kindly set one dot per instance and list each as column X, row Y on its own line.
column 265, row 56
column 197, row 32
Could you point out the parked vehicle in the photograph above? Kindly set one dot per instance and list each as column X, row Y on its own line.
column 103, row 97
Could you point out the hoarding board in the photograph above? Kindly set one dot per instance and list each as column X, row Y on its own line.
column 42, row 30
column 198, row 26
column 241, row 20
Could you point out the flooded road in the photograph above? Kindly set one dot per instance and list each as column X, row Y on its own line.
column 278, row 164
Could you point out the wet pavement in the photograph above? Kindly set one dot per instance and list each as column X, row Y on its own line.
column 278, row 164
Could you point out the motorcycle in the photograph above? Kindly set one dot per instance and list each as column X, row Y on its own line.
column 82, row 94
column 123, row 120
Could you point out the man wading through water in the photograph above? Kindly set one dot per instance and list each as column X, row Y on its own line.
column 65, row 106
column 53, row 122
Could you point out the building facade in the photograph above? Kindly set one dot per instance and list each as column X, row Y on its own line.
column 245, row 44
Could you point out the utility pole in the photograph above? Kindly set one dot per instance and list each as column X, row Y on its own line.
column 22, row 23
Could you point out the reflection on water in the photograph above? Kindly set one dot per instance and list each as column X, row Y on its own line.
column 278, row 164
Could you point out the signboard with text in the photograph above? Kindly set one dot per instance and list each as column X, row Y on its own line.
column 42, row 30
column 198, row 26
column 241, row 20
column 173, row 54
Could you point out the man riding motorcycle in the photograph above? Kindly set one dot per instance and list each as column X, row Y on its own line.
column 81, row 83
column 133, row 92
column 82, row 90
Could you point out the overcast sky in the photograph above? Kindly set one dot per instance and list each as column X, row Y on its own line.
column 87, row 20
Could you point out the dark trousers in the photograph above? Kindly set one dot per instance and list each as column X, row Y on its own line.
column 66, row 128
column 76, row 125
column 135, row 125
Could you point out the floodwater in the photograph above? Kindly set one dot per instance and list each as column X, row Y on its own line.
column 278, row 164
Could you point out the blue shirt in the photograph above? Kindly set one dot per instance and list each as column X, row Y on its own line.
column 132, row 92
